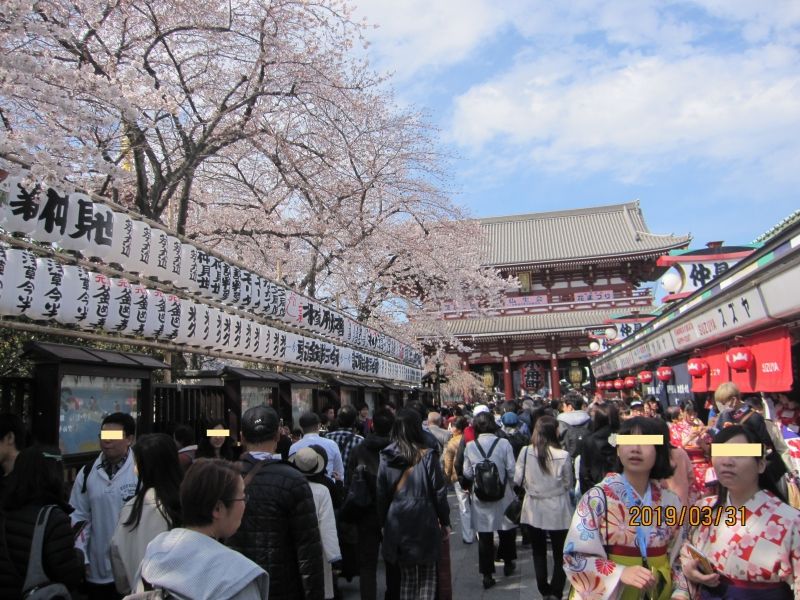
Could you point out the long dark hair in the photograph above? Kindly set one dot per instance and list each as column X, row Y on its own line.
column 156, row 459
column 605, row 415
column 545, row 436
column 407, row 435
column 206, row 450
column 765, row 479
column 37, row 479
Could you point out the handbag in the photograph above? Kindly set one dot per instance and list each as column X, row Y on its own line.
column 513, row 511
column 37, row 586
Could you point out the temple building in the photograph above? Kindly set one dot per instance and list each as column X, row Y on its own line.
column 579, row 273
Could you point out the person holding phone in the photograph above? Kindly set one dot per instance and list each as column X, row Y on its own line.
column 751, row 538
column 619, row 542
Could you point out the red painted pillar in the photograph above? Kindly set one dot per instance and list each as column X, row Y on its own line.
column 555, row 388
column 508, row 383
column 465, row 364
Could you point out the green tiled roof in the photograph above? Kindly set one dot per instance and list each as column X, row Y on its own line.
column 568, row 320
column 570, row 235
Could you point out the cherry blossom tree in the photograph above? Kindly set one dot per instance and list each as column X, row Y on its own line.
column 247, row 125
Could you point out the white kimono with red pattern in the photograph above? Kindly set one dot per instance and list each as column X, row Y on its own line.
column 766, row 548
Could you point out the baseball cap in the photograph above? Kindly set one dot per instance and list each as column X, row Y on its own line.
column 480, row 408
column 259, row 424
column 510, row 419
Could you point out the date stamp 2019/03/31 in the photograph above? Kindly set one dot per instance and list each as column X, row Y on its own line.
column 694, row 516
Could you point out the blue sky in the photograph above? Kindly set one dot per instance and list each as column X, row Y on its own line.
column 691, row 107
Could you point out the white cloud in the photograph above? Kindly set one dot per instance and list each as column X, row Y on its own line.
column 418, row 35
column 636, row 112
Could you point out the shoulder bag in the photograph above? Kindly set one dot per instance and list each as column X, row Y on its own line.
column 513, row 511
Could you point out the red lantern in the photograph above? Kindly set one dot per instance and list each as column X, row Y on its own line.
column 739, row 358
column 600, row 385
column 630, row 382
column 664, row 373
column 619, row 384
column 645, row 376
column 697, row 367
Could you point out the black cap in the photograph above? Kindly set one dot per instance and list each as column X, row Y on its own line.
column 259, row 424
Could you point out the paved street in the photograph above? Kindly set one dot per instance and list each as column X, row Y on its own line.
column 466, row 579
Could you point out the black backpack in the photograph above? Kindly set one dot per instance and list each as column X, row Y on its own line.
column 488, row 487
column 360, row 500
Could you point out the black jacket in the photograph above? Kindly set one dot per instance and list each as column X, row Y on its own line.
column 367, row 453
column 411, row 517
column 598, row 458
column 280, row 531
column 62, row 563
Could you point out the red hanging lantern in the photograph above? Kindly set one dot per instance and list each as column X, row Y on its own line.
column 697, row 367
column 630, row 382
column 645, row 376
column 619, row 384
column 664, row 373
column 739, row 358
column 600, row 385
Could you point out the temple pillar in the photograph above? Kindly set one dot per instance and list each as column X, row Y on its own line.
column 508, row 383
column 555, row 388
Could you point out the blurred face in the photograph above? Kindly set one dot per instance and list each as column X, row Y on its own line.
column 738, row 473
column 365, row 412
column 228, row 519
column 115, row 450
column 7, row 446
column 217, row 441
column 330, row 414
column 637, row 459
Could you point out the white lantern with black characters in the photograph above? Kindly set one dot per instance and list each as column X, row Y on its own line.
column 120, row 308
column 99, row 300
column 74, row 295
column 17, row 282
column 48, row 294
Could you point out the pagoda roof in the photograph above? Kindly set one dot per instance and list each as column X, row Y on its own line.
column 573, row 236
column 531, row 324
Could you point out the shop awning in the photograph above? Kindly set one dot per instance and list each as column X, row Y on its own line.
column 772, row 367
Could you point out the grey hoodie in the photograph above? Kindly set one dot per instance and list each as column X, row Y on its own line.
column 194, row 566
column 574, row 418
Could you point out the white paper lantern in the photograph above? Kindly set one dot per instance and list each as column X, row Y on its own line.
column 215, row 276
column 188, row 275
column 121, row 242
column 158, row 266
column 120, row 306
column 246, row 346
column 17, row 283
column 203, row 273
column 245, row 288
column 101, row 236
column 20, row 207
column 142, row 248
column 51, row 223
column 75, row 295
column 672, row 281
column 80, row 223
column 99, row 300
column 204, row 331
column 174, row 247
column 224, row 293
column 236, row 286
column 156, row 314
column 139, row 307
column 47, row 295
column 234, row 337
column 172, row 317
column 188, row 323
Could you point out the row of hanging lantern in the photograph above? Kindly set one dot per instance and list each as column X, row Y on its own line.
column 77, row 223
column 44, row 289
column 663, row 374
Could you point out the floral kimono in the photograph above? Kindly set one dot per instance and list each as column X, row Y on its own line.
column 602, row 541
column 757, row 559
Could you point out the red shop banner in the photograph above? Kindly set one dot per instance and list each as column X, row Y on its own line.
column 717, row 370
column 771, row 370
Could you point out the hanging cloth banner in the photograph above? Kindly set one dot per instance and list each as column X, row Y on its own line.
column 771, row 370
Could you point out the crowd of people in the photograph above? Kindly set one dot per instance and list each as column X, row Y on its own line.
column 162, row 516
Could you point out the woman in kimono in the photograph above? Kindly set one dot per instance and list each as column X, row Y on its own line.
column 624, row 529
column 754, row 545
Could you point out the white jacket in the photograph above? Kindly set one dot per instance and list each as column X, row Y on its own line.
column 193, row 566
column 327, row 531
column 128, row 545
column 100, row 506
